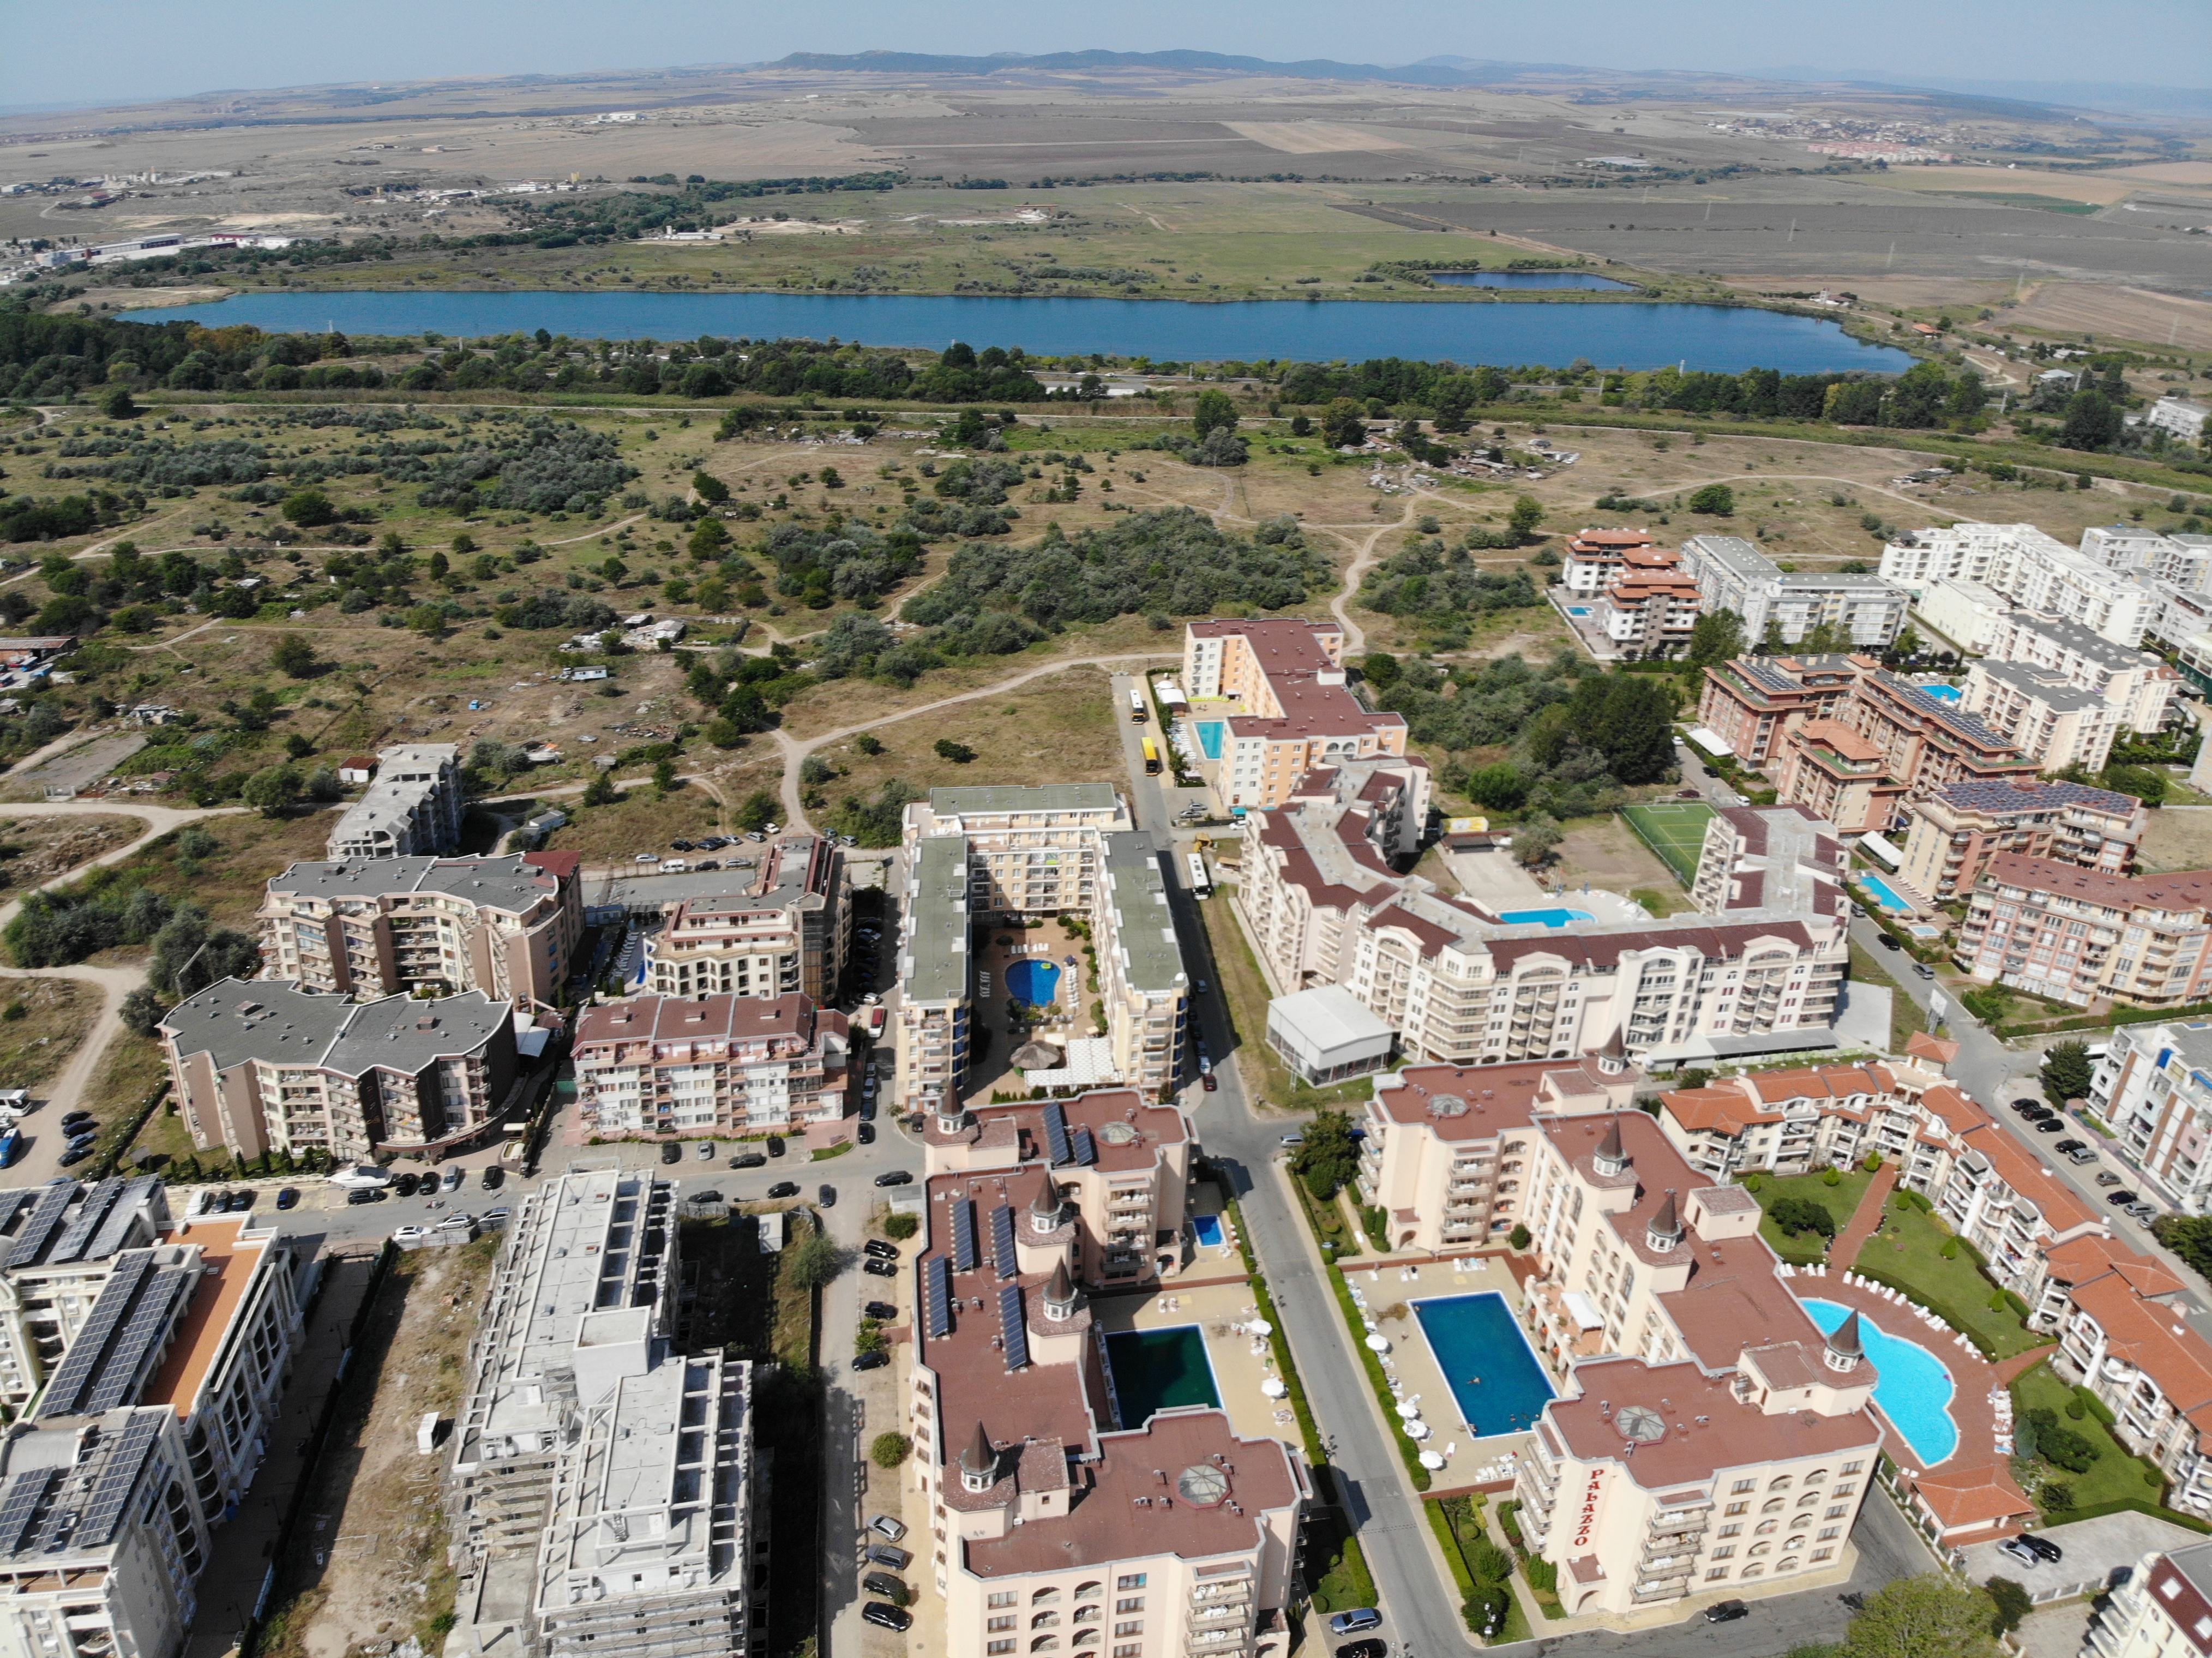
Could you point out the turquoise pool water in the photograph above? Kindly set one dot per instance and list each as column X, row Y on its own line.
column 1944, row 693
column 1494, row 1377
column 1887, row 893
column 1578, row 609
column 1915, row 1391
column 1548, row 917
column 1159, row 1370
column 1035, row 982
column 1208, row 1228
column 1209, row 739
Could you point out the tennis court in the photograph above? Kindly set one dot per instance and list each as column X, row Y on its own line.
column 1675, row 830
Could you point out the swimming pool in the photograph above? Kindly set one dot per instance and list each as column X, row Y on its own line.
column 1035, row 982
column 1578, row 609
column 1159, row 1370
column 1944, row 693
column 1915, row 1390
column 1548, row 917
column 1884, row 892
column 1209, row 739
column 1208, row 1228
column 1494, row 1374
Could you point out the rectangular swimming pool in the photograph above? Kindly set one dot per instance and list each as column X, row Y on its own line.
column 1159, row 1370
column 1885, row 893
column 1209, row 738
column 1496, row 1379
column 1207, row 1229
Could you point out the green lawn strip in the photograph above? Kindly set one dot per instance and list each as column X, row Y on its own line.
column 1457, row 1523
column 1309, row 1428
column 1245, row 998
column 1335, row 1235
column 2117, row 1477
column 1841, row 1200
column 1381, row 1383
column 1906, row 1254
column 1542, row 1576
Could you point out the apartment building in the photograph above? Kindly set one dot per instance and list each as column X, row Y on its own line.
column 2026, row 567
column 1753, row 704
column 1708, row 1433
column 264, row 1065
column 984, row 857
column 1925, row 741
column 1113, row 1167
column 58, row 1244
column 1839, row 775
column 390, row 926
column 785, row 932
column 1652, row 609
column 2040, row 711
column 2164, row 1609
column 1957, row 829
column 2137, row 685
column 1758, row 972
column 601, row 1493
column 1298, row 714
column 412, row 810
column 1449, row 1149
column 2153, row 1086
column 1595, row 560
column 1733, row 574
column 2180, row 416
column 2076, row 935
column 710, row 1064
column 1054, row 1517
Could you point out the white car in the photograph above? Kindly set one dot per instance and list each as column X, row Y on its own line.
column 359, row 1176
column 410, row 1234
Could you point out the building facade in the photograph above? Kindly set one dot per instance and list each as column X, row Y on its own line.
column 389, row 927
column 2153, row 1086
column 1597, row 559
column 412, row 810
column 710, row 1064
column 1298, row 712
column 1733, row 574
column 2137, row 684
column 2041, row 713
column 2029, row 568
column 262, row 1065
column 784, row 932
column 2164, row 1609
column 1652, row 609
column 2076, row 935
column 1836, row 775
column 1956, row 830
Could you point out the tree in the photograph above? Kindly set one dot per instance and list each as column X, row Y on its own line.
column 1716, row 500
column 141, row 1012
column 958, row 753
column 1535, row 840
column 867, row 743
column 273, row 789
column 2146, row 785
column 295, row 656
column 758, row 811
column 1215, row 411
column 1636, row 730
column 709, row 488
column 2066, row 1072
column 600, row 791
column 901, row 1226
column 118, row 404
column 1341, row 426
column 1796, row 1215
column 1528, row 513
column 664, row 776
column 1501, row 787
column 1925, row 1617
column 1381, row 669
column 1519, row 1237
column 1717, row 637
column 2092, row 422
column 428, row 620
column 890, row 1451
column 1328, row 1157
column 812, row 1261
column 310, row 509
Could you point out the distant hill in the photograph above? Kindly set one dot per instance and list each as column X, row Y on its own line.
column 1435, row 72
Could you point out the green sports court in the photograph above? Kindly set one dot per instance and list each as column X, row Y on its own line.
column 1675, row 830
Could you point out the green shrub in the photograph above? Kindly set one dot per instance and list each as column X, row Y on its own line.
column 1950, row 1250
column 901, row 1226
column 1873, row 1164
column 890, row 1451
column 1519, row 1237
column 2056, row 1497
column 1833, row 1177
column 1754, row 1183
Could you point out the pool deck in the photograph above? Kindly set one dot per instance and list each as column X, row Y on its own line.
column 1241, row 1362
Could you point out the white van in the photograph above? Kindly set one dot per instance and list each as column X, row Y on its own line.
column 361, row 1176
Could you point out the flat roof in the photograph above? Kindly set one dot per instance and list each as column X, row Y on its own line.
column 510, row 882
column 227, row 1268
column 1329, row 1016
column 1144, row 928
column 936, row 936
column 1013, row 797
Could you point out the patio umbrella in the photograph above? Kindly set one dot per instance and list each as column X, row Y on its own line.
column 1407, row 1409
column 1378, row 1343
column 1273, row 1388
column 1259, row 1326
column 1415, row 1430
column 1431, row 1461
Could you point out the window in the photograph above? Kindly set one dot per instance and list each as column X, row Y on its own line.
column 1088, row 1591
column 1134, row 1603
column 1003, row 1597
column 1780, row 1483
column 1002, row 1623
column 1818, row 1555
column 1843, row 1490
column 1724, row 1551
column 1838, row 1512
column 1045, row 1620
column 1737, row 1508
column 1744, row 1485
column 1829, row 1534
column 1853, row 1467
column 1045, row 1644
column 1129, row 1651
column 1716, row 1574
column 1135, row 1626
column 996, row 1648
column 1134, row 1580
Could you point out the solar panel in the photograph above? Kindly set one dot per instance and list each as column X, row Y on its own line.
column 1013, row 1328
column 1056, row 1132
column 937, row 1274
column 963, row 1236
column 46, row 1219
column 64, row 1395
column 83, row 1223
column 115, row 1231
column 157, row 1309
column 118, row 1480
column 1002, row 1241
column 1086, row 1149
column 12, row 1200
column 25, row 1492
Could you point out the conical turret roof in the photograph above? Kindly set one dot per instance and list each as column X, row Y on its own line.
column 1045, row 1204
column 1666, row 1221
column 1609, row 1149
column 1614, row 1048
column 1846, row 1343
column 979, row 1458
column 1061, row 1289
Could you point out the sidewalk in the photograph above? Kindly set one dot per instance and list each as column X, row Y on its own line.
column 1873, row 1202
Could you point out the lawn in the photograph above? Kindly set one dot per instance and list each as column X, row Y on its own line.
column 1907, row 1254
column 1841, row 1200
column 2115, row 1476
column 1268, row 1080
column 131, row 1069
column 1905, row 1015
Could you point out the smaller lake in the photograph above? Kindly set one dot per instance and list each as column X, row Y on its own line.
column 1581, row 279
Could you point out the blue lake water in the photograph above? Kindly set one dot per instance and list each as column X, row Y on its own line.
column 1495, row 1379
column 1915, row 1390
column 1639, row 334
column 1581, row 279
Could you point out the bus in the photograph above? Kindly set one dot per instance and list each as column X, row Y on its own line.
column 1200, row 884
column 1136, row 707
column 1151, row 758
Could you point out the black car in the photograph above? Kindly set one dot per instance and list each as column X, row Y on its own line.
column 882, row 1583
column 706, row 864
column 828, row 1195
column 679, row 846
column 493, row 1178
column 1364, row 1649
column 881, row 1250
column 1887, row 943
column 2121, row 1196
column 671, row 1152
column 1727, row 1611
column 883, row 1616
column 2050, row 1125
column 784, row 1188
column 365, row 1194
column 882, row 1311
column 867, row 1109
column 77, row 1120
column 894, row 1177
column 76, row 1154
column 750, row 1160
column 403, row 1186
column 2029, row 1105
column 874, row 1361
column 775, row 1146
column 880, row 1268
column 239, row 1201
column 866, row 1134
column 287, row 1197
column 2069, row 1146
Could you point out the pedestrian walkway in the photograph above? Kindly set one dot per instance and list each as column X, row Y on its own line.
column 1873, row 1205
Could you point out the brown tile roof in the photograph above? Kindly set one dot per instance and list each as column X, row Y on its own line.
column 2182, row 891
column 1939, row 1051
column 1822, row 1081
column 1965, row 1496
column 2155, row 1341
column 1722, row 1109
column 1708, row 1431
column 1497, row 1097
column 680, row 1018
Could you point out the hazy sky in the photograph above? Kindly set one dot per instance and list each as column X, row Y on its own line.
column 107, row 50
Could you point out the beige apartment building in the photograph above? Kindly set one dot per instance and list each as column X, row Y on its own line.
column 2164, row 1610
column 1298, row 711
column 783, row 932
column 389, row 926
column 1055, row 1524
column 2043, row 713
column 978, row 858
column 1956, row 830
column 710, row 1064
column 2076, row 935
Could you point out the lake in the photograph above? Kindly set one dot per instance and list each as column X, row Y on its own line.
column 1581, row 279
column 1631, row 334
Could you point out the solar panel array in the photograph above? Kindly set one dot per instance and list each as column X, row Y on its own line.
column 149, row 1324
column 77, row 1236
column 1002, row 1242
column 44, row 1221
column 118, row 1480
column 65, row 1394
column 938, row 1278
column 25, row 1493
column 1013, row 1328
column 963, row 1236
column 1086, row 1149
column 12, row 1202
column 1056, row 1132
column 115, row 1231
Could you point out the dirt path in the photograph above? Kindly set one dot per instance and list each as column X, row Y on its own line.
column 1355, row 638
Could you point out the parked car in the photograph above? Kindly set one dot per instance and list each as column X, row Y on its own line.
column 1295, row 1138
column 1353, row 1622
column 2067, row 1146
column 879, row 1268
column 240, row 1200
column 826, row 1196
column 410, row 1234
column 2143, row 1216
column 1210, row 1083
column 359, row 1175
column 1923, row 970
column 2122, row 1197
column 494, row 1220
column 866, row 1134
column 679, row 846
column 886, row 1527
column 2108, row 1178
column 888, row 1554
column 784, row 1188
column 402, row 1186
column 1364, row 1649
column 2029, row 1105
column 365, row 1194
column 881, row 1250
column 775, row 1146
column 287, row 1197
column 895, row 1177
column 452, row 1180
column 2050, row 1125
column 493, row 1178
column 704, row 1151
column 75, row 1155
column 882, row 1311
column 2087, row 1154
column 882, row 1583
column 1727, row 1611
column 874, row 1361
column 671, row 1152
column 886, row 1616
column 750, row 1160
column 647, row 858
column 868, row 1108
column 1886, row 942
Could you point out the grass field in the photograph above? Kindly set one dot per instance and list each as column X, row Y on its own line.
column 1675, row 830
column 2115, row 1474
column 1841, row 1200
column 1908, row 1254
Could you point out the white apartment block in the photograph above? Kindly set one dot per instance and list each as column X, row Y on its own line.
column 2182, row 416
column 2052, row 721
column 2026, row 567
column 2137, row 684
column 710, row 1065
column 782, row 931
column 2153, row 1087
column 58, row 1243
column 1733, row 574
column 413, row 809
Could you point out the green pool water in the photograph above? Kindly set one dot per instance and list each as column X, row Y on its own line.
column 1159, row 1370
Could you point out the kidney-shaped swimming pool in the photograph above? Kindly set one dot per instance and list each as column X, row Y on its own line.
column 1915, row 1389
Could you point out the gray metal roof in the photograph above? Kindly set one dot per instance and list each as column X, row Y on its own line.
column 1152, row 954
column 937, row 952
column 1736, row 553
column 504, row 883
column 2044, row 685
column 401, row 1034
column 1010, row 797
column 274, row 1020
